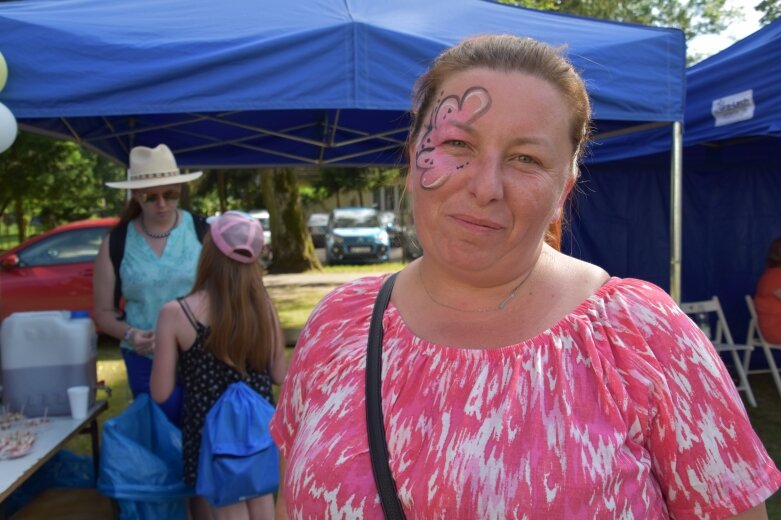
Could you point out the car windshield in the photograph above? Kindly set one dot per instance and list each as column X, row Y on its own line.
column 358, row 220
column 79, row 245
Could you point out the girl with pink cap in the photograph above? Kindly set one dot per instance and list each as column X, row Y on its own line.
column 225, row 330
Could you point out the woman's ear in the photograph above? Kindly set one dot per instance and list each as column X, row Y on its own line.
column 563, row 199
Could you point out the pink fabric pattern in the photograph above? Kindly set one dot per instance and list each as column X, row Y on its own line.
column 621, row 410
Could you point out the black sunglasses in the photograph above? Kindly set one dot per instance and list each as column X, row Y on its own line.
column 151, row 198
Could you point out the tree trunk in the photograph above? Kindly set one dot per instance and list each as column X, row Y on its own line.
column 290, row 241
column 221, row 190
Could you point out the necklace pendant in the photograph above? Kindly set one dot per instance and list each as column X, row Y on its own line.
column 507, row 300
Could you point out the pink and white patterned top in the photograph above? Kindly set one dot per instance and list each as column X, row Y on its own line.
column 621, row 410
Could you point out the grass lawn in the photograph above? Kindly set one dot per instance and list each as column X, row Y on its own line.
column 294, row 305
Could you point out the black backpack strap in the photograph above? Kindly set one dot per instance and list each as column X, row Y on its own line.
column 201, row 226
column 116, row 250
column 378, row 444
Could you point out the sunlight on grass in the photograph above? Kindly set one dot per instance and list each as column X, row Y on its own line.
column 386, row 267
column 295, row 304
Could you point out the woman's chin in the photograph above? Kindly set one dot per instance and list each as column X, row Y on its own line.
column 465, row 257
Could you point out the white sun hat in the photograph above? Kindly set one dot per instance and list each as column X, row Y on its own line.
column 150, row 167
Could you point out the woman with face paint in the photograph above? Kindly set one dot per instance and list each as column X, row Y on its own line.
column 517, row 382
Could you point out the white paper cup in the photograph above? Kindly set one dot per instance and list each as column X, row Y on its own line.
column 79, row 401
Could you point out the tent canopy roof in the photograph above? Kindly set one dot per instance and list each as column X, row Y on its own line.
column 741, row 85
column 752, row 64
column 282, row 82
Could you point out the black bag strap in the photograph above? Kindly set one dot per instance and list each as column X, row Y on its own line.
column 201, row 226
column 116, row 251
column 378, row 445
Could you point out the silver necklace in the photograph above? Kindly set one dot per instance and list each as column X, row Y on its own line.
column 500, row 307
column 164, row 234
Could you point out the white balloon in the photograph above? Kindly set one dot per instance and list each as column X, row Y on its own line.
column 8, row 128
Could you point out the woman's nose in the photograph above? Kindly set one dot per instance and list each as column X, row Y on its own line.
column 485, row 182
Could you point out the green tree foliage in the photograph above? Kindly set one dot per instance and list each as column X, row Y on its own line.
column 225, row 189
column 56, row 181
column 335, row 181
column 312, row 196
column 771, row 10
column 693, row 17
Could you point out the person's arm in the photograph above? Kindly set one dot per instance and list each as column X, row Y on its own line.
column 103, row 281
column 280, row 513
column 277, row 364
column 755, row 513
column 106, row 313
column 163, row 377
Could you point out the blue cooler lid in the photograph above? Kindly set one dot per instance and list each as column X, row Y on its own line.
column 79, row 314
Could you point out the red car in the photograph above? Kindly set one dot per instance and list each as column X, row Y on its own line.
column 53, row 270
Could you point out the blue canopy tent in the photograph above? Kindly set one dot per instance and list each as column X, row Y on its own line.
column 731, row 183
column 251, row 83
column 280, row 82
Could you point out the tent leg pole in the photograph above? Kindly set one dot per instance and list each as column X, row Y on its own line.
column 676, row 189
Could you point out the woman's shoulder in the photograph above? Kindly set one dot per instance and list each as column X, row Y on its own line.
column 584, row 280
column 170, row 314
column 638, row 311
column 639, row 292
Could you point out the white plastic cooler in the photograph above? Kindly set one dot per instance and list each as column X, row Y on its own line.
column 44, row 353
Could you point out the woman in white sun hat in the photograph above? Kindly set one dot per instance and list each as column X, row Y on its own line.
column 148, row 259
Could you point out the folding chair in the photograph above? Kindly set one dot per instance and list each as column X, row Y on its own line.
column 721, row 338
column 755, row 338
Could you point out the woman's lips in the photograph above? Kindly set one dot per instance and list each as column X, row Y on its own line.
column 478, row 222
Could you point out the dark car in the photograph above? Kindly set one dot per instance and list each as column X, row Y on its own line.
column 388, row 219
column 53, row 270
column 410, row 246
column 318, row 227
column 356, row 235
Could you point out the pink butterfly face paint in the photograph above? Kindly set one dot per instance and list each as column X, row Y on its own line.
column 435, row 157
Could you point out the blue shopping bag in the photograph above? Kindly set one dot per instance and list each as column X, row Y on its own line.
column 141, row 463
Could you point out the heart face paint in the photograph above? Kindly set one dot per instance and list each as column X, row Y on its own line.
column 434, row 164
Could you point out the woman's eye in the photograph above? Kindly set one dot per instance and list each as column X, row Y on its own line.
column 525, row 159
column 457, row 143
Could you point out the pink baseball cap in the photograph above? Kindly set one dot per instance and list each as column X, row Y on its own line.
column 238, row 235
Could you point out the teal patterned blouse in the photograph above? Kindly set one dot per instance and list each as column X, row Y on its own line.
column 149, row 281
